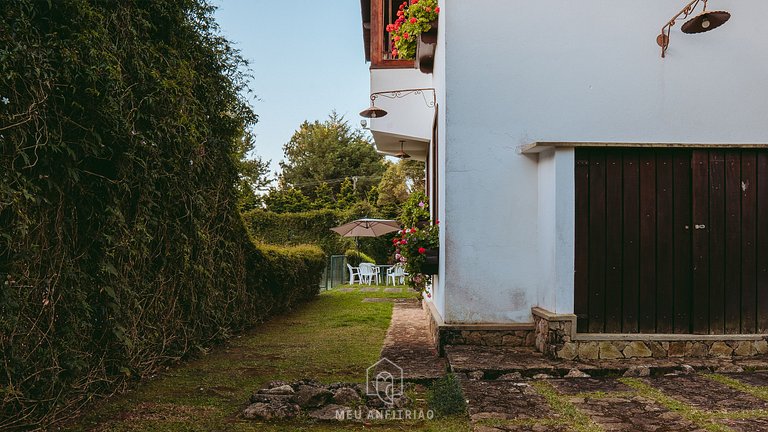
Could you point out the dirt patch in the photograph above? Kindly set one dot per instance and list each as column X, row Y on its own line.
column 634, row 413
column 504, row 400
column 588, row 385
column 166, row 412
column 747, row 425
column 756, row 379
column 706, row 394
column 523, row 428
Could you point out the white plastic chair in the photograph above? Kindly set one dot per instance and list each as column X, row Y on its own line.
column 367, row 273
column 395, row 272
column 354, row 273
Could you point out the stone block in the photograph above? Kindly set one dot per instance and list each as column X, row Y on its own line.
column 744, row 348
column 636, row 349
column 472, row 337
column 589, row 350
column 530, row 337
column 638, row 371
column 678, row 349
column 697, row 349
column 761, row 346
column 511, row 340
column 608, row 351
column 569, row 351
column 492, row 339
column 657, row 349
column 720, row 349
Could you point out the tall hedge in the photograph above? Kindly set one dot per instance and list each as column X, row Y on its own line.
column 314, row 227
column 120, row 244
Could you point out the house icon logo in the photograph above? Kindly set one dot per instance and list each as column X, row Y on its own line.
column 385, row 380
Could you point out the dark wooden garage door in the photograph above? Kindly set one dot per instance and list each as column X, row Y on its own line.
column 671, row 241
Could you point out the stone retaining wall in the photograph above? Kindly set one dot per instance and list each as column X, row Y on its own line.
column 556, row 337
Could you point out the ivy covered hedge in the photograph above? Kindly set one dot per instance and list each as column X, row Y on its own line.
column 121, row 248
column 314, row 227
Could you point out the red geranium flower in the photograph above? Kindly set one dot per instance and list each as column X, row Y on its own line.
column 427, row 8
column 437, row 9
column 414, row 1
column 405, row 35
column 422, row 250
column 414, row 20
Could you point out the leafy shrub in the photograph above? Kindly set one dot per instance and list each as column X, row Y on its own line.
column 354, row 257
column 314, row 227
column 121, row 248
column 445, row 397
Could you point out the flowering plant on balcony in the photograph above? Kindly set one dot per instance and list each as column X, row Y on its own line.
column 413, row 18
column 415, row 247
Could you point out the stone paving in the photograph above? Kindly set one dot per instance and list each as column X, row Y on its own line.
column 695, row 402
column 516, row 390
column 409, row 344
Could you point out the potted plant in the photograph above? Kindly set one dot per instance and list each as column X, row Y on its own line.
column 418, row 250
column 417, row 246
column 414, row 17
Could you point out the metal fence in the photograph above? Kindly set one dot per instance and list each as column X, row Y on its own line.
column 335, row 273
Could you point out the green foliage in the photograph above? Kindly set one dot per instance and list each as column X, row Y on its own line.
column 311, row 227
column 415, row 209
column 446, row 398
column 393, row 191
column 330, row 152
column 314, row 227
column 289, row 200
column 355, row 257
column 412, row 20
column 253, row 174
column 121, row 148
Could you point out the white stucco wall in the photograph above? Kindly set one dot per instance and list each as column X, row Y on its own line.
column 438, row 80
column 409, row 116
column 519, row 71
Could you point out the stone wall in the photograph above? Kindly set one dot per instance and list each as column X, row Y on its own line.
column 556, row 337
column 512, row 335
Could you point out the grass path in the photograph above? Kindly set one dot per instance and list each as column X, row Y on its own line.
column 333, row 338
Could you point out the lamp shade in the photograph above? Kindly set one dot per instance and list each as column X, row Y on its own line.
column 373, row 112
column 705, row 22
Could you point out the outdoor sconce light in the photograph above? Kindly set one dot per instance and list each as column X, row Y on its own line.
column 703, row 22
column 401, row 154
column 375, row 112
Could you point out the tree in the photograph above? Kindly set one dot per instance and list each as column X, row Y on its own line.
column 399, row 181
column 253, row 174
column 414, row 172
column 392, row 190
column 287, row 201
column 330, row 152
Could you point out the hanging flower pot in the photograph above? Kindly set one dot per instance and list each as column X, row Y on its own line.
column 432, row 261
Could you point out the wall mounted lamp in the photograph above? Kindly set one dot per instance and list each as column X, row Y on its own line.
column 703, row 22
column 375, row 112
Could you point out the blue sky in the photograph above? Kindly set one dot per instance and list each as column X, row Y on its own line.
column 306, row 58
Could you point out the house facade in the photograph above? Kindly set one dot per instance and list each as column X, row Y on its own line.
column 588, row 189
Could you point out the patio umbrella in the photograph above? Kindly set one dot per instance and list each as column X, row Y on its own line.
column 367, row 228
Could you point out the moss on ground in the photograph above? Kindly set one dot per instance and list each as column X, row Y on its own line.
column 332, row 338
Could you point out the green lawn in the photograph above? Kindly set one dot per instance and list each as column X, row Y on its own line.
column 333, row 338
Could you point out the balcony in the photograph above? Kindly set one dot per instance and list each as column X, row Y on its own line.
column 410, row 117
column 376, row 40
